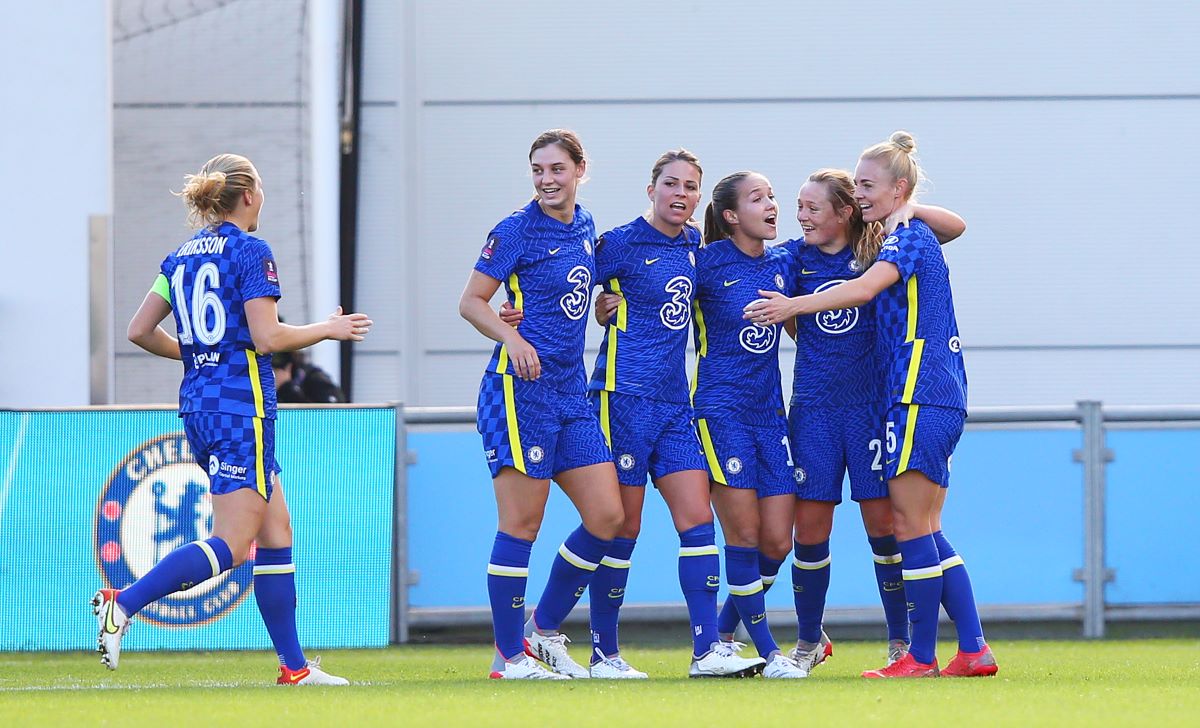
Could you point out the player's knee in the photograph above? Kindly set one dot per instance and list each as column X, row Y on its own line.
column 744, row 536
column 606, row 522
column 776, row 547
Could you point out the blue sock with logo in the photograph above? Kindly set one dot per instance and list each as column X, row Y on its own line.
column 746, row 592
column 182, row 569
column 810, row 584
column 958, row 597
column 728, row 620
column 607, row 594
column 508, row 571
column 699, row 578
column 922, row 570
column 576, row 564
column 275, row 593
column 891, row 585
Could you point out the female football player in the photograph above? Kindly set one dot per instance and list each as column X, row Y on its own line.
column 835, row 407
column 739, row 403
column 223, row 288
column 533, row 411
column 926, row 391
column 640, row 392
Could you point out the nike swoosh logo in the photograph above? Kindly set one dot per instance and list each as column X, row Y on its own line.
column 110, row 626
column 730, row 283
column 652, row 261
column 757, row 618
column 297, row 676
column 892, row 587
column 554, row 250
column 889, row 462
column 806, row 272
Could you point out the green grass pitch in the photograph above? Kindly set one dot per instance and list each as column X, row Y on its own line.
column 1147, row 682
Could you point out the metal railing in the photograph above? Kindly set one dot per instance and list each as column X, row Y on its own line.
column 1094, row 455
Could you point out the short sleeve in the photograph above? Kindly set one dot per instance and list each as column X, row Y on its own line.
column 903, row 250
column 258, row 276
column 500, row 255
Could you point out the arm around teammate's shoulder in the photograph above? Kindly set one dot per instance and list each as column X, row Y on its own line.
column 270, row 335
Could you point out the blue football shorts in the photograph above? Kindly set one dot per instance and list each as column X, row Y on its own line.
column 828, row 442
column 922, row 437
column 535, row 429
column 237, row 451
column 748, row 450
column 648, row 436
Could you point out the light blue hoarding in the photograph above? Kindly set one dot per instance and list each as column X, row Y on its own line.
column 95, row 498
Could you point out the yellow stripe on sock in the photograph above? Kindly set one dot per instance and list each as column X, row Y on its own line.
column 514, row 571
column 575, row 560
column 746, row 590
column 212, row 556
column 927, row 572
column 275, row 569
column 698, row 551
column 812, row 565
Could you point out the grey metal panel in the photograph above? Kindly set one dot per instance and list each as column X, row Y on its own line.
column 627, row 48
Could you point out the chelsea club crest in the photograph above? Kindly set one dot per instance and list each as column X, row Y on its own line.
column 156, row 500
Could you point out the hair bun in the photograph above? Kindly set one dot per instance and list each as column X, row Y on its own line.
column 904, row 141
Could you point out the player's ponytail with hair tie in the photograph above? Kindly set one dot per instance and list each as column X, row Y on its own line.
column 212, row 193
column 724, row 197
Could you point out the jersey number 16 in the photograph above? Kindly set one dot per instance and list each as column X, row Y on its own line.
column 203, row 301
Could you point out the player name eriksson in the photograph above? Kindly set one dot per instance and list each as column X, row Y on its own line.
column 206, row 245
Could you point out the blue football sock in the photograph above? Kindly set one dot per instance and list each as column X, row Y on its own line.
column 699, row 578
column 746, row 592
column 922, row 570
column 607, row 594
column 275, row 592
column 810, row 585
column 508, row 570
column 958, row 597
column 891, row 585
column 728, row 620
column 182, row 569
column 574, row 566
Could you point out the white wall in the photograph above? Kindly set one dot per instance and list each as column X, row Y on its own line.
column 56, row 143
column 1061, row 131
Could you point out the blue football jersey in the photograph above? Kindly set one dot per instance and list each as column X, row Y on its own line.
column 547, row 269
column 211, row 277
column 645, row 344
column 835, row 350
column 737, row 361
column 917, row 332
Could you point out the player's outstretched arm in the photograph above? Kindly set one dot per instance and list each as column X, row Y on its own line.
column 144, row 329
column 945, row 224
column 270, row 335
column 774, row 307
column 475, row 306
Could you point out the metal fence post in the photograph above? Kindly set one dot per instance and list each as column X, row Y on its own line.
column 398, row 631
column 1095, row 574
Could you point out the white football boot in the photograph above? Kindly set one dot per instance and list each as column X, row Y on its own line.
column 782, row 667
column 310, row 674
column 614, row 668
column 723, row 660
column 523, row 667
column 810, row 654
column 113, row 625
column 552, row 650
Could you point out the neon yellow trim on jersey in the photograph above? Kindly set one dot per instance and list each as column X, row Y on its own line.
column 260, row 477
column 912, row 310
column 162, row 287
column 514, row 285
column 622, row 307
column 914, row 367
column 619, row 323
column 714, row 464
column 701, row 345
column 514, row 434
column 255, row 384
column 605, row 425
column 910, row 434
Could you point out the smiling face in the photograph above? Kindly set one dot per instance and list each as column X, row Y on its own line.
column 822, row 219
column 876, row 192
column 555, row 177
column 756, row 213
column 674, row 196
